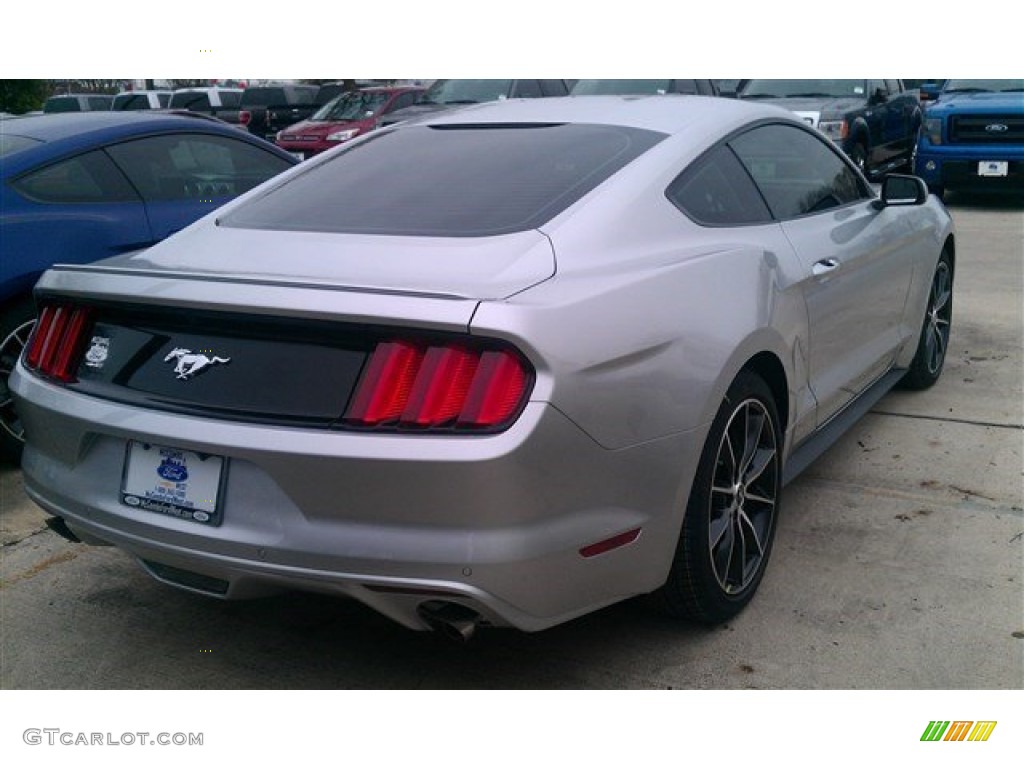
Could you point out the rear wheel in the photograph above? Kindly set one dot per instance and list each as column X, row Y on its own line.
column 16, row 324
column 926, row 367
column 732, row 511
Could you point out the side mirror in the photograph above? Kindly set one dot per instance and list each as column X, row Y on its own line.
column 899, row 189
column 878, row 96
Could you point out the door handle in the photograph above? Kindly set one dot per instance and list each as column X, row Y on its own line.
column 824, row 266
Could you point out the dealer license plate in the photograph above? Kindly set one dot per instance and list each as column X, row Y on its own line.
column 993, row 168
column 172, row 481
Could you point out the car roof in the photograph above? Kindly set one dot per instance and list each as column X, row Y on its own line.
column 68, row 132
column 669, row 113
column 63, row 125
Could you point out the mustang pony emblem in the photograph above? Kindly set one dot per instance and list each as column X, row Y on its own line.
column 190, row 363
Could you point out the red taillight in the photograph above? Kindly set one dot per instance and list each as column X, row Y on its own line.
column 58, row 341
column 438, row 386
column 384, row 388
column 244, row 116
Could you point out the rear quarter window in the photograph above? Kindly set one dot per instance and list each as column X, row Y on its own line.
column 448, row 181
column 86, row 178
column 717, row 191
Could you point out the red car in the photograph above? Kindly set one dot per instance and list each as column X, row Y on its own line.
column 349, row 115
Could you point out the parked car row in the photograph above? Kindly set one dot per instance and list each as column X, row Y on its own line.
column 351, row 116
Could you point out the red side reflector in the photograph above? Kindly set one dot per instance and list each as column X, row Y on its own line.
column 614, row 542
column 244, row 116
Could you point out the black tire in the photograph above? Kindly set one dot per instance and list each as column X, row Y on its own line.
column 732, row 511
column 16, row 322
column 933, row 343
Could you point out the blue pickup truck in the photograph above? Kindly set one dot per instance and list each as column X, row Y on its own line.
column 875, row 122
column 973, row 138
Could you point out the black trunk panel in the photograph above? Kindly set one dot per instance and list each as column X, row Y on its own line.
column 241, row 368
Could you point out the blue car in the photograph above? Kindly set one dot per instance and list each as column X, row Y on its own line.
column 973, row 138
column 79, row 187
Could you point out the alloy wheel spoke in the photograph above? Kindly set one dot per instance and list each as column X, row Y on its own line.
column 937, row 349
column 722, row 555
column 752, row 434
column 746, row 522
column 760, row 461
column 760, row 499
column 722, row 525
column 731, row 458
column 739, row 557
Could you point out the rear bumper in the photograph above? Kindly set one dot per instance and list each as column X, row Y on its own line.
column 495, row 523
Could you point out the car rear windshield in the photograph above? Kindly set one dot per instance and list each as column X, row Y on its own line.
column 448, row 180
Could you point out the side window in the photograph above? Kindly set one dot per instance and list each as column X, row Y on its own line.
column 164, row 99
column 527, row 89
column 715, row 190
column 194, row 166
column 98, row 103
column 231, row 99
column 877, row 85
column 797, row 172
column 688, row 87
column 87, row 178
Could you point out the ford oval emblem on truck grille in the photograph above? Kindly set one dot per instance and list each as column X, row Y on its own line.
column 996, row 128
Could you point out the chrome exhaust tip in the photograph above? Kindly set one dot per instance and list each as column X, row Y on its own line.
column 456, row 622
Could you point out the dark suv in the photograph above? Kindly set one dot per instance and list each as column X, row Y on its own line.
column 448, row 94
column 266, row 109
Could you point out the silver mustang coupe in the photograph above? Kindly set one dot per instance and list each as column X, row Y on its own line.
column 502, row 367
